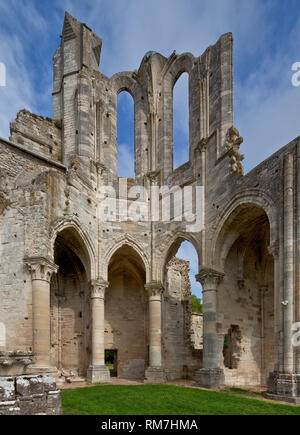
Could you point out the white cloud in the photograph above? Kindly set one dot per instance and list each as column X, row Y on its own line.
column 125, row 161
column 266, row 104
column 20, row 90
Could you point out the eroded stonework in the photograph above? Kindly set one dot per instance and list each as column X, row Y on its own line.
column 73, row 286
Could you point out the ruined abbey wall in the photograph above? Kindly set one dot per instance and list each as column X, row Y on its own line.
column 73, row 285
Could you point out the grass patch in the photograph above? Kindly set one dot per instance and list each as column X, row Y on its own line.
column 164, row 400
column 243, row 392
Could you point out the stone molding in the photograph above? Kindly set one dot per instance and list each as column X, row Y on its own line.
column 154, row 178
column 154, row 288
column 98, row 288
column 41, row 268
column 274, row 249
column 209, row 278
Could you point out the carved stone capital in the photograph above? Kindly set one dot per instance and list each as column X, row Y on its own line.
column 154, row 288
column 209, row 278
column 274, row 249
column 41, row 268
column 154, row 178
column 101, row 169
column 202, row 144
column 98, row 288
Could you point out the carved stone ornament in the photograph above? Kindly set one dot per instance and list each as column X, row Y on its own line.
column 232, row 143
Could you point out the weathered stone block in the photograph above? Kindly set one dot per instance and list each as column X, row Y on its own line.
column 98, row 374
column 155, row 375
column 23, row 387
column 7, row 389
column 210, row 378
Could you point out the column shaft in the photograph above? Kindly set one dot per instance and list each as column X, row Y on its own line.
column 274, row 250
column 288, row 308
column 298, row 251
column 155, row 372
column 98, row 372
column 211, row 375
column 41, row 271
column 41, row 322
column 98, row 357
column 155, row 359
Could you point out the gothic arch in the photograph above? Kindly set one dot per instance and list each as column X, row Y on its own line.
column 173, row 247
column 88, row 251
column 125, row 241
column 251, row 198
column 123, row 82
column 181, row 64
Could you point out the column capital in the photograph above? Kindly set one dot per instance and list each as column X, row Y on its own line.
column 154, row 288
column 274, row 249
column 98, row 288
column 41, row 268
column 209, row 278
column 154, row 177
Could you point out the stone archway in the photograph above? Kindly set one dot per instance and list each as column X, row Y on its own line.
column 70, row 306
column 182, row 328
column 245, row 296
column 126, row 313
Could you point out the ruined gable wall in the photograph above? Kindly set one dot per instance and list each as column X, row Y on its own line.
column 37, row 134
column 36, row 195
column 181, row 357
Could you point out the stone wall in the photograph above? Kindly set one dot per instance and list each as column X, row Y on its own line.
column 37, row 134
column 197, row 330
column 248, row 249
column 29, row 395
column 181, row 354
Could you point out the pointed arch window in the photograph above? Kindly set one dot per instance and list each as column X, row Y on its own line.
column 181, row 121
column 125, row 135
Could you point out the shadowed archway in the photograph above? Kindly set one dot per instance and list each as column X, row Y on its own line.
column 246, row 296
column 70, row 306
column 126, row 313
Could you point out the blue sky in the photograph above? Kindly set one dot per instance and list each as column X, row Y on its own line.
column 266, row 44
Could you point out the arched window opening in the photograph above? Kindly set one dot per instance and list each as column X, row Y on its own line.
column 183, row 295
column 188, row 253
column 125, row 141
column 181, row 121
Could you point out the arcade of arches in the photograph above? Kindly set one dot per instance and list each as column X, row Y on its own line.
column 238, row 306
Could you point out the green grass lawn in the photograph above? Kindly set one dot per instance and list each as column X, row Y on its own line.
column 164, row 400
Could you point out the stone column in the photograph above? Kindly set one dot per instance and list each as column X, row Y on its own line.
column 286, row 383
column 98, row 372
column 288, row 303
column 274, row 251
column 211, row 375
column 262, row 291
column 298, row 252
column 41, row 271
column 155, row 372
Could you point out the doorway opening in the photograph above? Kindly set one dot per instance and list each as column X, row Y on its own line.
column 111, row 361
